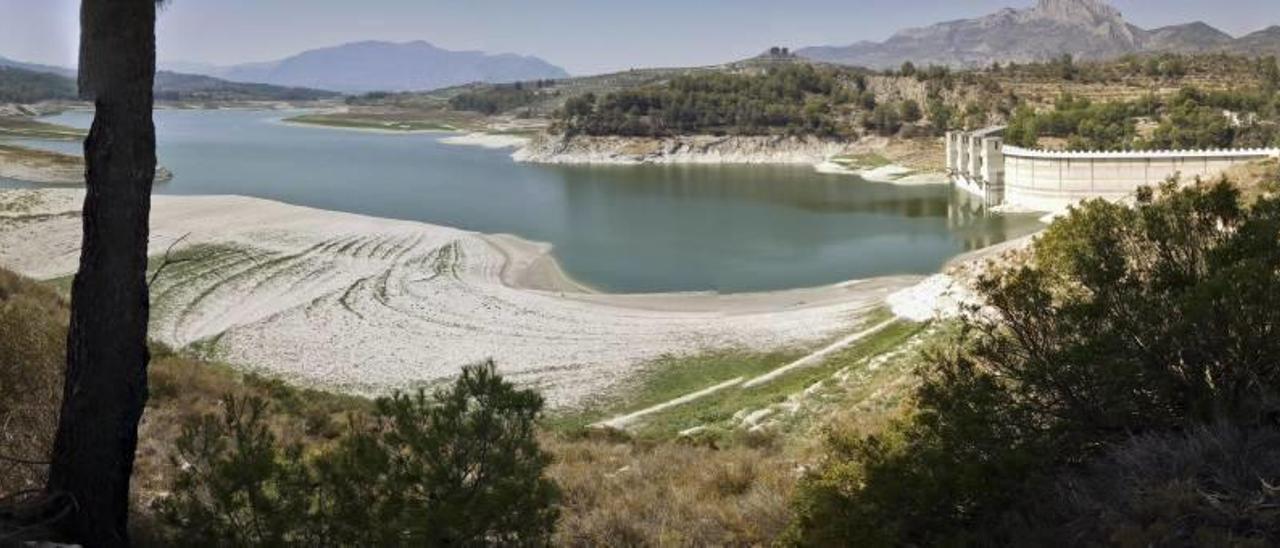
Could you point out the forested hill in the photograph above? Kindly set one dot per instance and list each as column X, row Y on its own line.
column 27, row 86
column 798, row 98
column 22, row 86
column 174, row 86
column 794, row 98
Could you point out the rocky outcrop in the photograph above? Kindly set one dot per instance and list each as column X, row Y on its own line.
column 701, row 149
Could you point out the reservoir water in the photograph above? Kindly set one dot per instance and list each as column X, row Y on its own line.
column 617, row 228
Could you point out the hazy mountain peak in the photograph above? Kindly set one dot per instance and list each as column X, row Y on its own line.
column 378, row 65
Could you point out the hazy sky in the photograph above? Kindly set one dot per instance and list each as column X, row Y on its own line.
column 584, row 36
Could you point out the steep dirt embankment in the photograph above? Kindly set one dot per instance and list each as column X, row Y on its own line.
column 701, row 149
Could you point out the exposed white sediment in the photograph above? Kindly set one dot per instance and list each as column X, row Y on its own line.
column 891, row 173
column 936, row 298
column 820, row 153
column 487, row 140
column 371, row 305
column 698, row 149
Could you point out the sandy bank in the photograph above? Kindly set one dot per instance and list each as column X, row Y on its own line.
column 39, row 166
column 891, row 173
column 50, row 168
column 369, row 305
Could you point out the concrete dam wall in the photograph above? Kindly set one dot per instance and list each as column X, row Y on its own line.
column 980, row 163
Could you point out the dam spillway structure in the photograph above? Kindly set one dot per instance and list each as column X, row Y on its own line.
column 979, row 163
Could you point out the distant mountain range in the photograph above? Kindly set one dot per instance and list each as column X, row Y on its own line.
column 383, row 66
column 1086, row 29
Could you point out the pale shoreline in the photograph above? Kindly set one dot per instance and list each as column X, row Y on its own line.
column 358, row 129
column 494, row 141
column 368, row 305
column 33, row 165
column 821, row 156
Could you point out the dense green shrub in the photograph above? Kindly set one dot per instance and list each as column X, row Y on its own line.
column 911, row 112
column 885, row 119
column 1125, row 321
column 1088, row 126
column 785, row 99
column 1189, row 119
column 941, row 115
column 459, row 467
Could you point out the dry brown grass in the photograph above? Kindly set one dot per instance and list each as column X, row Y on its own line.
column 1256, row 179
column 923, row 153
column 33, row 328
column 32, row 338
column 624, row 493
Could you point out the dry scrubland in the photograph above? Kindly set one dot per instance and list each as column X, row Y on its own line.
column 1119, row 81
column 727, row 485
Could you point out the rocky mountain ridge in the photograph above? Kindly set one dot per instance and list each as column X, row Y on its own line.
column 1085, row 29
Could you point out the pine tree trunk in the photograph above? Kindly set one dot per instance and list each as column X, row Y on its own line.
column 106, row 377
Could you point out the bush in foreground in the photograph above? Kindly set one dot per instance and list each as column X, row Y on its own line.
column 459, row 467
column 1126, row 321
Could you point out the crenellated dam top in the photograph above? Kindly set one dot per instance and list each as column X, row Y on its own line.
column 980, row 163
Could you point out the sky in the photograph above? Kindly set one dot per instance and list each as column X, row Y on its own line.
column 584, row 36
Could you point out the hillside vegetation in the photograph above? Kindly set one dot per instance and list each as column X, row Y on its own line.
column 796, row 99
column 1119, row 390
column 1190, row 119
column 172, row 86
column 25, row 86
column 808, row 99
column 219, row 447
